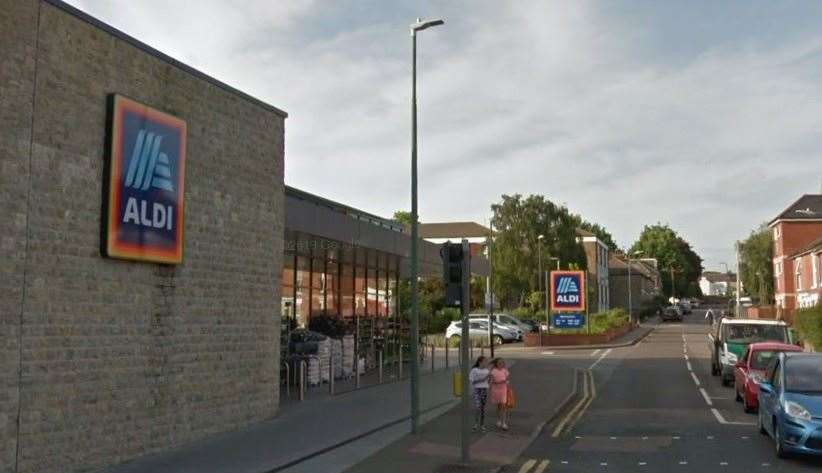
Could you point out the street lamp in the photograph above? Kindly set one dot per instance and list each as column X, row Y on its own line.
column 630, row 296
column 415, row 315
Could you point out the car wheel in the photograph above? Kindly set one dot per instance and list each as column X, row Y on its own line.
column 498, row 340
column 738, row 397
column 745, row 406
column 777, row 439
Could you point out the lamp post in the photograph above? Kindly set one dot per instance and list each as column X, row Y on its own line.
column 415, row 315
column 630, row 295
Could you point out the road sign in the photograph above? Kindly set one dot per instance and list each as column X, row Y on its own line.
column 567, row 291
column 568, row 320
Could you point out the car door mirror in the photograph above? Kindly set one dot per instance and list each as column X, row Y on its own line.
column 766, row 388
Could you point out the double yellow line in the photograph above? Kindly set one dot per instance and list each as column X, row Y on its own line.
column 589, row 393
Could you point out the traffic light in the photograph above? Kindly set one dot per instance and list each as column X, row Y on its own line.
column 452, row 265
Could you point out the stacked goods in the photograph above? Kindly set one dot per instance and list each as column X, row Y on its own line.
column 313, row 375
column 324, row 355
column 348, row 356
column 336, row 357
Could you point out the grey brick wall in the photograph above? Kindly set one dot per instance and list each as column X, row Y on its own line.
column 18, row 26
column 119, row 358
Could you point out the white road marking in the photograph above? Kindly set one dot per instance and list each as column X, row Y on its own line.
column 642, row 463
column 723, row 463
column 683, row 462
column 596, row 351
column 542, row 466
column 710, row 437
column 564, row 462
column 696, row 380
column 547, row 353
column 526, row 467
column 722, row 420
column 688, row 364
column 686, row 358
column 603, row 355
column 766, row 464
column 676, row 437
column 603, row 464
column 705, row 396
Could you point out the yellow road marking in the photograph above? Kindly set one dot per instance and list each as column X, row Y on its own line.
column 585, row 389
column 591, row 397
column 542, row 466
column 526, row 467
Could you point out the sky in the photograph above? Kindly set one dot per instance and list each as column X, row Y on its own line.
column 703, row 115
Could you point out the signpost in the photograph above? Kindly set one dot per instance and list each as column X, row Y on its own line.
column 568, row 305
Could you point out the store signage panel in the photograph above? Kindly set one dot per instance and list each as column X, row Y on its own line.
column 143, row 219
column 567, row 290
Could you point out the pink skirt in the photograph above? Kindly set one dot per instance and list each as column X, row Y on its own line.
column 499, row 393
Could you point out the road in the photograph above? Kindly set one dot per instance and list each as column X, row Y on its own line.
column 654, row 407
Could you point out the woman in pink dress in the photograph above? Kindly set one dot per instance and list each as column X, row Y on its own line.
column 499, row 377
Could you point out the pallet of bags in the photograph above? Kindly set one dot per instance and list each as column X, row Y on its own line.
column 313, row 375
column 324, row 355
column 336, row 357
column 348, row 356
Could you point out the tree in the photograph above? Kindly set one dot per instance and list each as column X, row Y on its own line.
column 403, row 217
column 756, row 264
column 598, row 230
column 518, row 222
column 679, row 266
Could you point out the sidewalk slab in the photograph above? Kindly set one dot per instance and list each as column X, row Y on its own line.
column 437, row 446
column 300, row 431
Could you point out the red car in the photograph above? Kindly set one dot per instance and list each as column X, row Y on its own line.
column 750, row 371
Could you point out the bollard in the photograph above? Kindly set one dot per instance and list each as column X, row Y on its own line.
column 447, row 349
column 379, row 365
column 399, row 364
column 432, row 358
column 287, row 380
column 357, row 379
column 331, row 376
column 302, row 380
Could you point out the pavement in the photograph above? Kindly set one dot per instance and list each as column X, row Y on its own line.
column 654, row 407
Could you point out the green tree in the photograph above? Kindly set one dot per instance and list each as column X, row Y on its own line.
column 756, row 264
column 518, row 222
column 403, row 217
column 598, row 230
column 674, row 256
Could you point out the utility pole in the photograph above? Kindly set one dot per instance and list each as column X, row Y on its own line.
column 491, row 289
column 738, row 282
column 465, row 339
column 415, row 312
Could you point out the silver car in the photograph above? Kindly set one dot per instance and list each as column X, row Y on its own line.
column 479, row 329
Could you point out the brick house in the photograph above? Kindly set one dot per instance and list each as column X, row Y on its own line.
column 596, row 255
column 807, row 264
column 644, row 281
column 797, row 227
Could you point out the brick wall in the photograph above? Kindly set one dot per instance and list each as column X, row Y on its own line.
column 17, row 42
column 122, row 358
column 793, row 236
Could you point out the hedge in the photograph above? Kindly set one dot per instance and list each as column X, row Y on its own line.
column 809, row 325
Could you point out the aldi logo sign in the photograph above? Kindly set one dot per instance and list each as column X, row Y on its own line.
column 567, row 290
column 143, row 219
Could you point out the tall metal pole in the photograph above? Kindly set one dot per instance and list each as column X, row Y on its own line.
column 630, row 296
column 465, row 340
column 491, row 289
column 738, row 284
column 415, row 315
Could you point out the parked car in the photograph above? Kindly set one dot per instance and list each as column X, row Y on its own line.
column 479, row 329
column 671, row 313
column 506, row 320
column 750, row 371
column 790, row 403
column 695, row 303
column 685, row 304
column 729, row 338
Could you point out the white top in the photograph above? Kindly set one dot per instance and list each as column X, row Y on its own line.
column 479, row 377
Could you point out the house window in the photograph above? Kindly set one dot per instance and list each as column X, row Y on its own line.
column 798, row 277
column 776, row 232
column 779, row 269
column 815, row 273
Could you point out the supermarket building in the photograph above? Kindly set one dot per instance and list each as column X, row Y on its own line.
column 104, row 358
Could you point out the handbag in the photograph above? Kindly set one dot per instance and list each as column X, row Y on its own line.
column 510, row 401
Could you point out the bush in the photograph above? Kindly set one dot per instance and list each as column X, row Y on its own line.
column 523, row 313
column 809, row 325
column 649, row 308
column 440, row 320
column 601, row 322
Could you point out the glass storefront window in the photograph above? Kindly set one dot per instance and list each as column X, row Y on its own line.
column 331, row 289
column 382, row 306
column 347, row 291
column 301, row 299
column 287, row 289
column 360, row 287
column 318, row 287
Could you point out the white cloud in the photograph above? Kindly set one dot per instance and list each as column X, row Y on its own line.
column 615, row 110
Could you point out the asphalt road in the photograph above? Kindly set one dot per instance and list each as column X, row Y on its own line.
column 654, row 407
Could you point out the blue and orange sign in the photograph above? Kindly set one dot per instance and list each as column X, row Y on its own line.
column 567, row 291
column 146, row 183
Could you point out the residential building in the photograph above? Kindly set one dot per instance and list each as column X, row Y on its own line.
column 793, row 230
column 807, row 264
column 596, row 255
column 644, row 281
column 715, row 283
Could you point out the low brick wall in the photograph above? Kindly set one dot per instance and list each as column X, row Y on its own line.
column 558, row 339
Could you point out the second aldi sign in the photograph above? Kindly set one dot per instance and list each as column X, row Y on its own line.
column 567, row 291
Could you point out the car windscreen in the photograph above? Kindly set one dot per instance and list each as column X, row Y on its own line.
column 804, row 374
column 752, row 333
column 761, row 358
